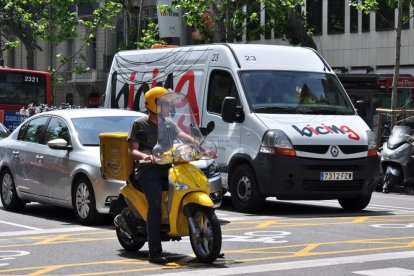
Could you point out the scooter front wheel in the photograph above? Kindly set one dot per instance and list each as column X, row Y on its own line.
column 390, row 181
column 207, row 243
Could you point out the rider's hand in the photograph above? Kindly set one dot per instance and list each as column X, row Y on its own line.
column 209, row 153
column 149, row 159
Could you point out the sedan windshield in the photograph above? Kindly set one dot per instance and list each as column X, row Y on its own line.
column 285, row 92
column 89, row 128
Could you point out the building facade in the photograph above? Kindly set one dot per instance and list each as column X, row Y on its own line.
column 360, row 47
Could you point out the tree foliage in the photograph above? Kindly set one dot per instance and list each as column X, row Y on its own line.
column 369, row 6
column 228, row 20
column 53, row 21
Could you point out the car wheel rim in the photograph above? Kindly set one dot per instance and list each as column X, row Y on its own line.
column 204, row 242
column 82, row 200
column 7, row 188
column 244, row 189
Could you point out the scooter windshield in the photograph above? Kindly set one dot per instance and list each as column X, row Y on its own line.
column 398, row 135
column 176, row 127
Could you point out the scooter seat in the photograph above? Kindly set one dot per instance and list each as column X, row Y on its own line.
column 137, row 184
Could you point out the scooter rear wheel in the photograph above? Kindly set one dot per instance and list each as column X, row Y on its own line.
column 207, row 245
column 127, row 243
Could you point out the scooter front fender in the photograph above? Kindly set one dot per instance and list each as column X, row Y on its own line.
column 198, row 198
column 393, row 170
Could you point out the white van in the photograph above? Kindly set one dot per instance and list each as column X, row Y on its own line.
column 284, row 125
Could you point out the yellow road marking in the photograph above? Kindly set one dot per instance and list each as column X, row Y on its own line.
column 360, row 219
column 285, row 251
column 266, row 224
column 306, row 251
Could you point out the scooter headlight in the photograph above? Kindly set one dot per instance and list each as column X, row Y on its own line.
column 180, row 186
column 186, row 152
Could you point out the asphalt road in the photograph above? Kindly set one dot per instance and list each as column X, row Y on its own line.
column 286, row 238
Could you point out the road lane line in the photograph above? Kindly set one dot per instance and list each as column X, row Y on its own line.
column 47, row 231
column 19, row 225
column 295, row 264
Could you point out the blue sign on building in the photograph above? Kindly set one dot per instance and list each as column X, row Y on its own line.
column 12, row 119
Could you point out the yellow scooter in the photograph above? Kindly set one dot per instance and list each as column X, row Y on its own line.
column 187, row 209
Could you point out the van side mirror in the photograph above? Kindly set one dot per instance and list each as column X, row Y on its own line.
column 361, row 107
column 231, row 112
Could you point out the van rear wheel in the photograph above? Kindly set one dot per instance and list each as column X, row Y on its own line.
column 245, row 194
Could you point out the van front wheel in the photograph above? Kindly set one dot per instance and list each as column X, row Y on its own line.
column 245, row 194
column 355, row 204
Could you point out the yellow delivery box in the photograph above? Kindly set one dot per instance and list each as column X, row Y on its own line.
column 115, row 161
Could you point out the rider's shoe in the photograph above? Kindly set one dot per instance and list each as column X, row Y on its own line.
column 157, row 258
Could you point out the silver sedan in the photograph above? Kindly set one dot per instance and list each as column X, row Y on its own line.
column 53, row 158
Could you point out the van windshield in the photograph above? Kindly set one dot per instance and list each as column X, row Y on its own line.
column 295, row 93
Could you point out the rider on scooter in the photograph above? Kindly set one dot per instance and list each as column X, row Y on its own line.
column 152, row 177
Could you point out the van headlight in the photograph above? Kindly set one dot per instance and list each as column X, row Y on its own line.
column 372, row 143
column 275, row 141
column 372, row 140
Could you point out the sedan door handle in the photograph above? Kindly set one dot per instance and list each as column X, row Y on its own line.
column 39, row 158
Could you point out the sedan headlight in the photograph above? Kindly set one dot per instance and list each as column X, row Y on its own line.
column 276, row 141
column 212, row 170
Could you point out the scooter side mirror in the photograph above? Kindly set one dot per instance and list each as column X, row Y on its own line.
column 408, row 138
column 208, row 129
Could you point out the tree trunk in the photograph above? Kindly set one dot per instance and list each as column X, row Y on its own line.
column 139, row 27
column 397, row 61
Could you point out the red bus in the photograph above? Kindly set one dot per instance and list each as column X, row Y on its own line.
column 19, row 88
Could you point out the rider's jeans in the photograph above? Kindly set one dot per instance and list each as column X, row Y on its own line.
column 152, row 182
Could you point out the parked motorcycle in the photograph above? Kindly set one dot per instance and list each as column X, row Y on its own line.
column 397, row 162
column 187, row 209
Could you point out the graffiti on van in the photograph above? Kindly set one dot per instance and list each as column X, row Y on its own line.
column 131, row 92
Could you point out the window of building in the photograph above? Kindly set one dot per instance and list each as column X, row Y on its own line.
column 91, row 54
column 268, row 23
column 366, row 22
column 314, row 15
column 353, row 19
column 221, row 85
column 252, row 26
column 87, row 9
column 69, row 98
column 384, row 17
column 336, row 17
column 149, row 15
column 69, row 52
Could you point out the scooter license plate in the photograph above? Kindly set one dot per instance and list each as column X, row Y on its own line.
column 336, row 176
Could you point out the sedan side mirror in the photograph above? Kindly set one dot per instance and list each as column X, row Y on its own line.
column 59, row 144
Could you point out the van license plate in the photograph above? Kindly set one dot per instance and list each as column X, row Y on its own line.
column 332, row 176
